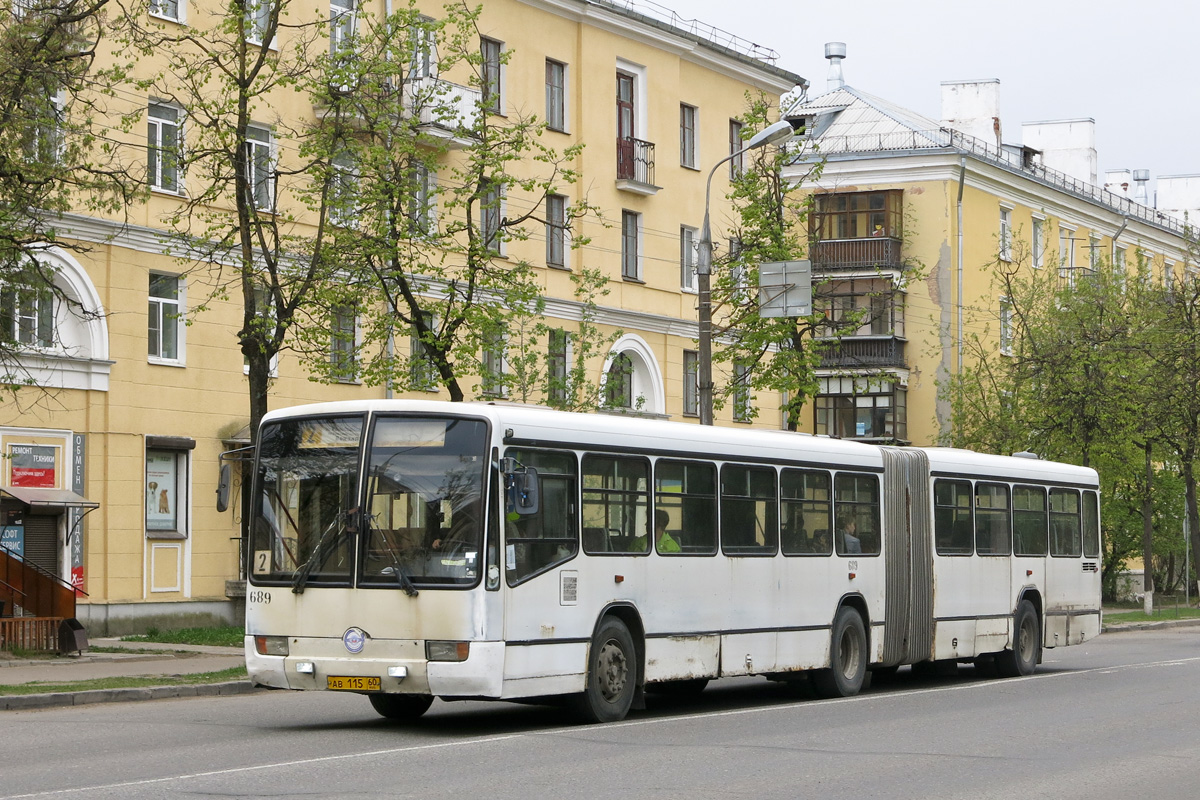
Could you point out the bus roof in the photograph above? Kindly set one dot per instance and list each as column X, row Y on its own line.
column 954, row 461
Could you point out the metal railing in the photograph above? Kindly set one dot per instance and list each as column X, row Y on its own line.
column 635, row 161
column 1014, row 161
column 848, row 253
column 851, row 352
column 701, row 30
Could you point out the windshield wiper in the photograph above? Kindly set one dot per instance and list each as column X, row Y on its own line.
column 301, row 577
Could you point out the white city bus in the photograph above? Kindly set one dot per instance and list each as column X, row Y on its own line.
column 408, row 550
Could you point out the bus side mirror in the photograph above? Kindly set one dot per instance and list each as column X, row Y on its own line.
column 223, row 488
column 523, row 494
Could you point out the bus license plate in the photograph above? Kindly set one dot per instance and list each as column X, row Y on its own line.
column 352, row 683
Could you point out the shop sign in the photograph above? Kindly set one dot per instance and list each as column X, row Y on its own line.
column 32, row 466
column 12, row 539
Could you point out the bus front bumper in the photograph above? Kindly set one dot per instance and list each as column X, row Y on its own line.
column 403, row 669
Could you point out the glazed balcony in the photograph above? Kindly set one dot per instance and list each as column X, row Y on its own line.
column 840, row 254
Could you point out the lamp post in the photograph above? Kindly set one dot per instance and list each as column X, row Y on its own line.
column 772, row 134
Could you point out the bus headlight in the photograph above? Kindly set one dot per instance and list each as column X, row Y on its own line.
column 271, row 645
column 447, row 651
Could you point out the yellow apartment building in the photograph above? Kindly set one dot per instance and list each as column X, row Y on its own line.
column 112, row 463
column 909, row 217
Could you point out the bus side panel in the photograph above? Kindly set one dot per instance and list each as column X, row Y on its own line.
column 531, row 670
column 991, row 579
column 748, row 648
column 682, row 657
column 1072, row 599
column 811, row 586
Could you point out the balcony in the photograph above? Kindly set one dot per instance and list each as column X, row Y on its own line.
column 841, row 254
column 446, row 108
column 855, row 352
column 635, row 166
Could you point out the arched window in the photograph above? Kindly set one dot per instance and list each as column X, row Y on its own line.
column 58, row 338
column 618, row 388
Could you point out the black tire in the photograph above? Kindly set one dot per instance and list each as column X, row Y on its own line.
column 1026, row 651
column 847, row 657
column 400, row 706
column 612, row 674
column 688, row 687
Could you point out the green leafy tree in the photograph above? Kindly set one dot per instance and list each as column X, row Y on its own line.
column 762, row 352
column 439, row 186
column 56, row 156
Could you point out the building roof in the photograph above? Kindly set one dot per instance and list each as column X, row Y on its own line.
column 853, row 123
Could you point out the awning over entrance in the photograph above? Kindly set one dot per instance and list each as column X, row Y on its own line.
column 48, row 498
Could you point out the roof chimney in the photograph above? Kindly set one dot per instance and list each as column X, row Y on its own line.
column 835, row 52
column 1141, row 177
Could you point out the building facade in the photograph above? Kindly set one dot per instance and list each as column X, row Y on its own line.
column 112, row 462
column 910, row 218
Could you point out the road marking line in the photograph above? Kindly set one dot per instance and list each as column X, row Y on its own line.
column 625, row 724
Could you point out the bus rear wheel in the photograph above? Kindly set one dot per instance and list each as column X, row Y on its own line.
column 400, row 706
column 612, row 674
column 847, row 657
column 1022, row 658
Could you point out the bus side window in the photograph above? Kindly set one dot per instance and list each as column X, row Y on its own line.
column 687, row 491
column 749, row 510
column 807, row 503
column 536, row 542
column 616, row 502
column 952, row 524
column 1029, row 521
column 1091, row 525
column 1065, row 537
column 856, row 496
column 993, row 533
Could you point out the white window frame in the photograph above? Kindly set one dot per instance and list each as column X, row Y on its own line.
column 1006, row 326
column 492, row 208
column 163, row 312
column 343, row 24
column 737, row 166
column 158, row 496
column 32, row 311
column 492, row 75
column 342, row 347
column 1006, row 233
column 258, row 17
column 560, row 394
column 1093, row 252
column 419, row 360
column 1066, row 253
column 492, row 361
column 260, row 144
column 156, row 126
column 423, row 209
column 556, row 232
column 1038, row 243
column 160, row 9
column 634, row 258
column 743, row 395
column 557, row 97
column 689, row 151
column 689, row 258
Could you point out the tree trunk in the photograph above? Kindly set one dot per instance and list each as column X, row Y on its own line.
column 1193, row 516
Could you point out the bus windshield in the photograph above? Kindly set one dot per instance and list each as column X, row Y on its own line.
column 303, row 528
column 425, row 501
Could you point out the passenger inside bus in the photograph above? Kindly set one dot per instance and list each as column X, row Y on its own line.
column 662, row 539
column 846, row 531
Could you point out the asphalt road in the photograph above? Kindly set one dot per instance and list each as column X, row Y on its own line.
column 1115, row 718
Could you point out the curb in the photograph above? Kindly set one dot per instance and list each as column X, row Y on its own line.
column 1118, row 627
column 58, row 699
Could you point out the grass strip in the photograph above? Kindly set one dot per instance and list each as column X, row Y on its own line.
column 1160, row 615
column 128, row 682
column 223, row 636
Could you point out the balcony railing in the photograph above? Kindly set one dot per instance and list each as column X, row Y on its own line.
column 635, row 161
column 443, row 104
column 853, row 352
column 882, row 251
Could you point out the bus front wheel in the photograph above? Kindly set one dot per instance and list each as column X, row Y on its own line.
column 400, row 706
column 612, row 674
column 847, row 657
column 1022, row 658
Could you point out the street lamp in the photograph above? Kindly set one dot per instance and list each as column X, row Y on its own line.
column 773, row 134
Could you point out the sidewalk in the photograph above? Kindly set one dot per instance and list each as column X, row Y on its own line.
column 169, row 660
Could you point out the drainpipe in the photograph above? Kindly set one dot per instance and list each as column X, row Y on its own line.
column 962, row 177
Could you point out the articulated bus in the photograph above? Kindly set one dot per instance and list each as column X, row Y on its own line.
column 407, row 550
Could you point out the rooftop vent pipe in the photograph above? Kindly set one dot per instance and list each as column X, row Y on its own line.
column 835, row 52
column 1140, row 193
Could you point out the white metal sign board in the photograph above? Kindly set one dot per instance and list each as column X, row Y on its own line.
column 785, row 289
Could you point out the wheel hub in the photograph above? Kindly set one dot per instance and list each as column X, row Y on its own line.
column 613, row 671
